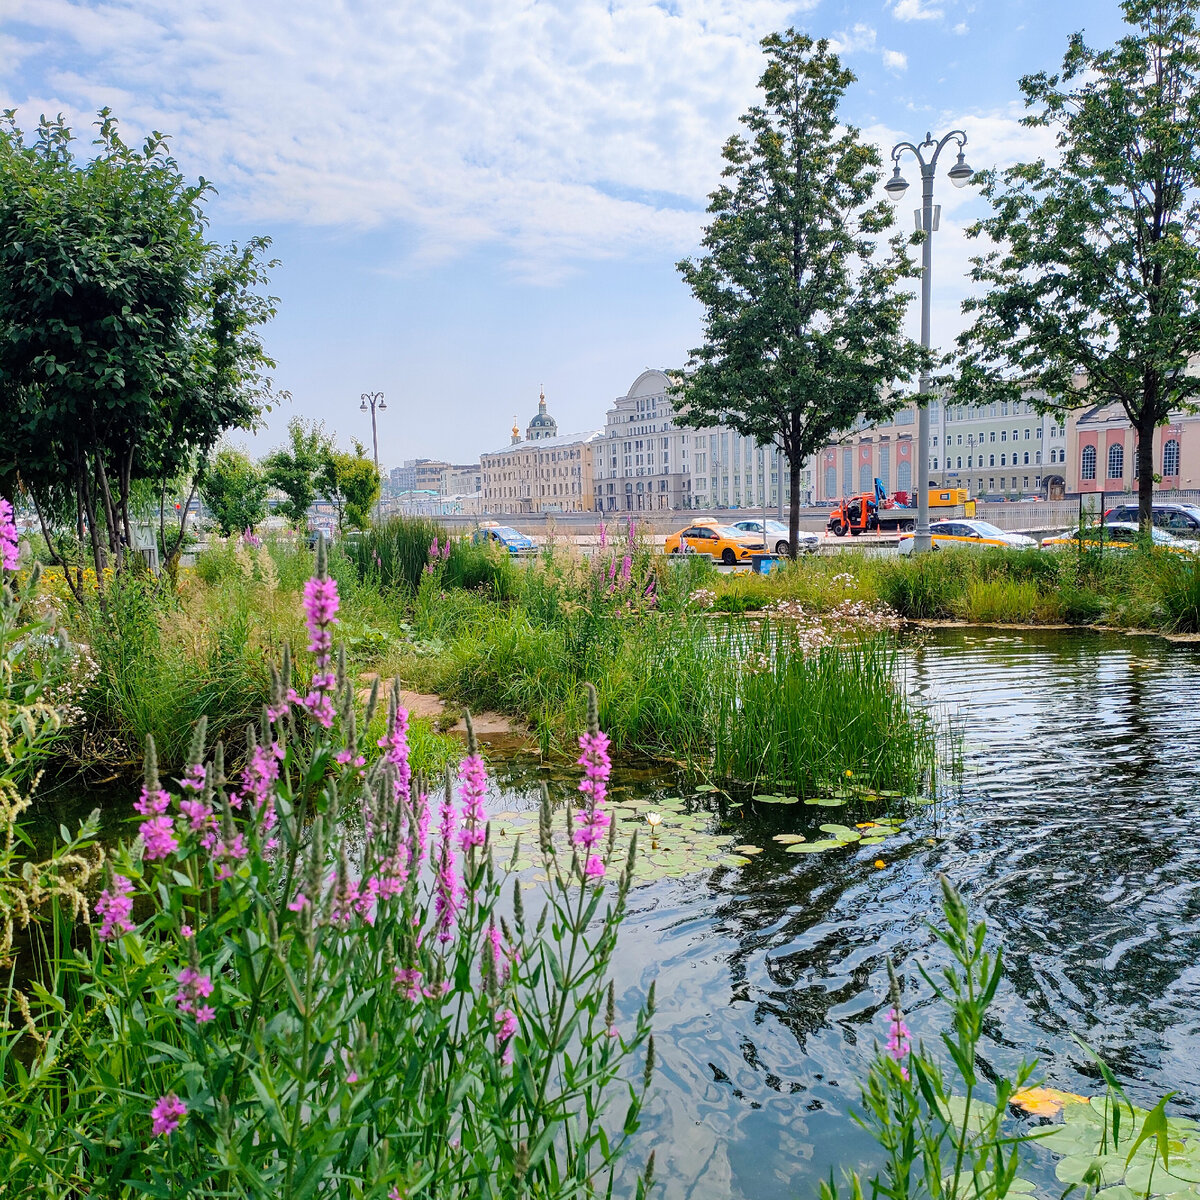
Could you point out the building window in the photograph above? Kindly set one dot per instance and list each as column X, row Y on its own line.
column 866, row 481
column 992, row 458
column 958, row 463
column 1026, row 462
column 904, row 476
column 1116, row 461
column 831, row 482
column 1170, row 458
column 1004, row 435
column 935, row 464
column 992, row 436
column 1087, row 463
column 1037, row 459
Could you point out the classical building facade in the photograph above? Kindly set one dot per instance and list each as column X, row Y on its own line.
column 542, row 472
column 648, row 458
column 1102, row 454
column 1002, row 450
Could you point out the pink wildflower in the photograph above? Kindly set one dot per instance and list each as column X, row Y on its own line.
column 597, row 765
column 446, row 901
column 299, row 903
column 227, row 852
column 193, row 778
column 626, row 568
column 408, row 980
column 394, row 744
column 114, row 907
column 506, row 1028
column 158, row 834
column 473, row 776
column 186, row 931
column 320, row 609
column 167, row 1114
column 200, row 819
column 9, row 544
column 151, row 803
column 899, row 1045
column 193, row 988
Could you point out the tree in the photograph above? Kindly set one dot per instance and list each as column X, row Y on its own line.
column 350, row 482
column 235, row 491
column 294, row 467
column 1097, row 272
column 803, row 322
column 128, row 342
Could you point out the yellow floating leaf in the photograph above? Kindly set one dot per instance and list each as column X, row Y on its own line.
column 1044, row 1101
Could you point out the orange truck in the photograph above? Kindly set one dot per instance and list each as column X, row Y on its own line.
column 867, row 512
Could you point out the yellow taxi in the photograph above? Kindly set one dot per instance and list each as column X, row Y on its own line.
column 970, row 533
column 709, row 537
column 1116, row 535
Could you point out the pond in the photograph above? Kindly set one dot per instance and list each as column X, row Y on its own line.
column 1075, row 830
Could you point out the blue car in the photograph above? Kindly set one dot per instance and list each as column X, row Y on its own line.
column 511, row 539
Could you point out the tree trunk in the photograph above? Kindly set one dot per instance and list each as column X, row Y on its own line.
column 1145, row 460
column 795, row 461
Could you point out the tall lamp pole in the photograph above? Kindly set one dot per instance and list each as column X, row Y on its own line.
column 375, row 400
column 926, row 155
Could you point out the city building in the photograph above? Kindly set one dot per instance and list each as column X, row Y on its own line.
column 542, row 472
column 1000, row 450
column 648, row 458
column 1102, row 455
column 461, row 479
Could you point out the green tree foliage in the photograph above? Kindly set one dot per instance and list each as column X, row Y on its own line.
column 235, row 490
column 803, row 317
column 351, row 484
column 128, row 341
column 1097, row 270
column 294, row 467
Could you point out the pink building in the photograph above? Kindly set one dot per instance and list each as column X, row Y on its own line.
column 1102, row 452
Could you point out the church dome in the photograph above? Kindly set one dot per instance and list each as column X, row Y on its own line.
column 542, row 425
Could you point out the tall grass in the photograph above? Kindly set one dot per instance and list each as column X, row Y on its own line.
column 1179, row 583
column 737, row 698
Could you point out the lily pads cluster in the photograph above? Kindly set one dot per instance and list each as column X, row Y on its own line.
column 864, row 833
column 680, row 843
column 1155, row 1155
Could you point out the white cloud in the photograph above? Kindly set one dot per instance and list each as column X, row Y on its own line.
column 962, row 28
column 915, row 10
column 861, row 37
column 554, row 129
column 894, row 60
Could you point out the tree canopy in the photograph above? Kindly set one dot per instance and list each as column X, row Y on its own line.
column 803, row 314
column 294, row 467
column 1092, row 290
column 128, row 341
column 351, row 483
column 235, row 491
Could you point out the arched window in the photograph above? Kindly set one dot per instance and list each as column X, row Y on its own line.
column 959, row 462
column 831, row 483
column 1116, row 461
column 1026, row 458
column 1170, row 458
column 1004, row 460
column 1087, row 463
column 1037, row 459
column 866, row 481
column 904, row 476
column 991, row 460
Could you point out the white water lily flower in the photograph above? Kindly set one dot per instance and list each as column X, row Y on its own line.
column 653, row 819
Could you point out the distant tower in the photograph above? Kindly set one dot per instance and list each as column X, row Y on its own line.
column 516, row 433
column 543, row 425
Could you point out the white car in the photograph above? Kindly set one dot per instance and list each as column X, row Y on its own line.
column 969, row 532
column 777, row 536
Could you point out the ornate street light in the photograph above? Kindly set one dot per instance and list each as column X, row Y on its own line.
column 375, row 400
column 928, row 216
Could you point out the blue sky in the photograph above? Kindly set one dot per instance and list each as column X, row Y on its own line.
column 472, row 199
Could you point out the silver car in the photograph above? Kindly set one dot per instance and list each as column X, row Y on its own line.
column 777, row 536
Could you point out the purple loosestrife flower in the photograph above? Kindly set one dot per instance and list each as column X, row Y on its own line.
column 114, row 908
column 424, row 814
column 167, row 1114
column 506, row 1029
column 394, row 744
column 447, row 898
column 603, row 534
column 899, row 1045
column 593, row 820
column 151, row 803
column 227, row 852
column 9, row 542
column 626, row 568
column 407, row 981
column 158, row 835
column 194, row 777
column 321, row 605
column 250, row 540
column 194, row 988
column 473, row 776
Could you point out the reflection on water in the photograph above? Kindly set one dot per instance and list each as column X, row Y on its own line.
column 1075, row 831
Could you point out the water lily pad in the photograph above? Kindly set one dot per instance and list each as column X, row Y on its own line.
column 777, row 799
column 872, row 841
column 826, row 801
column 702, row 788
column 748, row 849
column 814, row 847
column 788, row 839
column 839, row 831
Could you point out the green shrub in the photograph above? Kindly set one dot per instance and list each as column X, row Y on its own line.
column 395, row 552
column 924, row 586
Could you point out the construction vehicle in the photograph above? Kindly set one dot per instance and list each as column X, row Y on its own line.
column 866, row 512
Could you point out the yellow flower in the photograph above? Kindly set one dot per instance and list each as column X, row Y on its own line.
column 880, row 863
column 849, row 774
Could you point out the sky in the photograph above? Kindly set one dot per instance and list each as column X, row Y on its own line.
column 473, row 200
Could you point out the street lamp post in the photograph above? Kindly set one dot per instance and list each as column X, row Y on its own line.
column 375, row 400
column 928, row 215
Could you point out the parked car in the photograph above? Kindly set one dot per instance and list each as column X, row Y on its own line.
column 1116, row 535
column 720, row 541
column 977, row 534
column 777, row 536
column 511, row 539
column 1180, row 519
